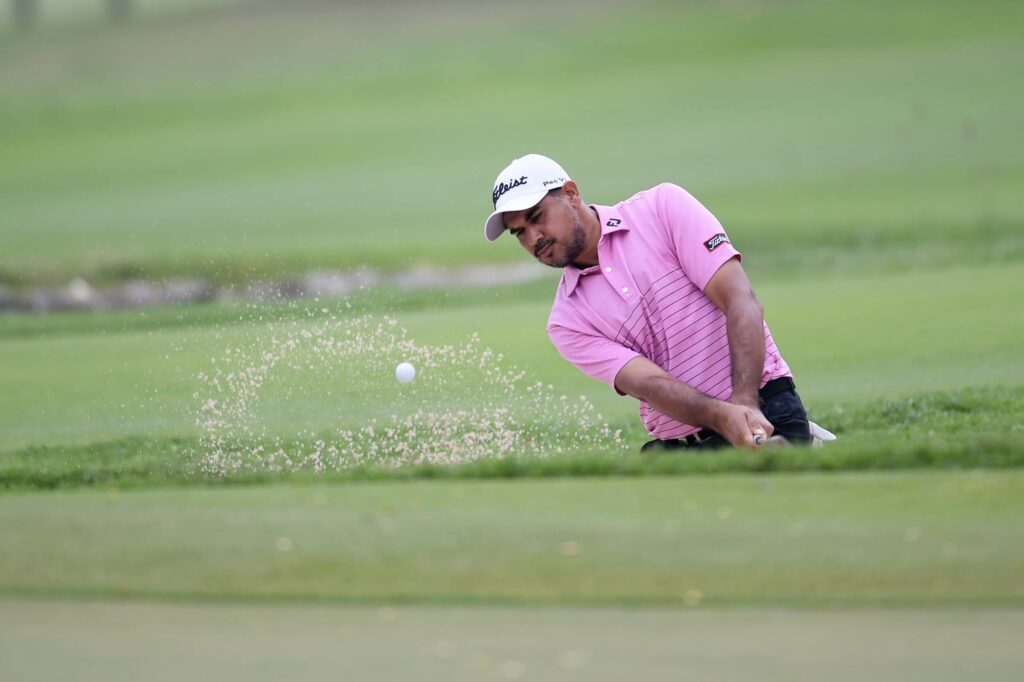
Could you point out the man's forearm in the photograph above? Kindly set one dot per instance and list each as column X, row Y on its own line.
column 681, row 402
column 646, row 381
column 745, row 328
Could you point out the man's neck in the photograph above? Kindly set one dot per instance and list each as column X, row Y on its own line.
column 591, row 223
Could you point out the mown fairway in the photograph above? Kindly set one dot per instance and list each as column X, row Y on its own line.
column 128, row 640
column 724, row 560
column 251, row 143
column 939, row 539
column 863, row 156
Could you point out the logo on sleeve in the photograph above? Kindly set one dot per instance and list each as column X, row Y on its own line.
column 715, row 241
column 613, row 222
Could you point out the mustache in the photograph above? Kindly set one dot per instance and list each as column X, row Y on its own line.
column 541, row 246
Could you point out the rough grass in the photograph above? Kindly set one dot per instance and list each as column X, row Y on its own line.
column 967, row 429
column 90, row 378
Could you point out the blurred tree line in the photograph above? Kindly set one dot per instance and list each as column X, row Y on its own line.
column 25, row 13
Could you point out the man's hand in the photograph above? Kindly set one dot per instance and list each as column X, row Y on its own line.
column 738, row 424
column 760, row 427
column 741, row 425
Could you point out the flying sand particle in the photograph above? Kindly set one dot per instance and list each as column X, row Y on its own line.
column 497, row 416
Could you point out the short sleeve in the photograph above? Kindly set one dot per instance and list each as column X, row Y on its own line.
column 695, row 235
column 593, row 354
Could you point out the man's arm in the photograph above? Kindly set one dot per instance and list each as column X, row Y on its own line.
column 730, row 290
column 645, row 381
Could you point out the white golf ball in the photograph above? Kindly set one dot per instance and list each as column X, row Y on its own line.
column 405, row 372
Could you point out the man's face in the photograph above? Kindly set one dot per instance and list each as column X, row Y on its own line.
column 550, row 231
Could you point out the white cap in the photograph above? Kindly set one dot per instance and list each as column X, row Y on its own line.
column 521, row 185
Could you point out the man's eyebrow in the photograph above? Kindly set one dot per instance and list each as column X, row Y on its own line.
column 532, row 213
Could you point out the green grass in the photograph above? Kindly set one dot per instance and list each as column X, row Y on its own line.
column 848, row 340
column 977, row 428
column 231, row 314
column 105, row 641
column 925, row 538
column 824, row 135
column 862, row 157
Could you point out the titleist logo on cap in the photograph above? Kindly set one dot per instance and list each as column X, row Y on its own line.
column 503, row 187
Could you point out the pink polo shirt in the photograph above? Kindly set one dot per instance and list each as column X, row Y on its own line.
column 657, row 251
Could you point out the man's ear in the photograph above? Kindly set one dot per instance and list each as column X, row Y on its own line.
column 572, row 193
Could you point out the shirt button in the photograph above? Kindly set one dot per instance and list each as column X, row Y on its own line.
column 608, row 269
column 625, row 290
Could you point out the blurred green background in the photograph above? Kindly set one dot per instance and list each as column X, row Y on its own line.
column 246, row 139
column 864, row 156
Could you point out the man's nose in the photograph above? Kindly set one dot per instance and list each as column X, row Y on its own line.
column 532, row 237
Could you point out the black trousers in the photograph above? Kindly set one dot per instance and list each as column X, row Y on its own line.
column 780, row 404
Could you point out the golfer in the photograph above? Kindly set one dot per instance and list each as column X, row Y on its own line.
column 654, row 302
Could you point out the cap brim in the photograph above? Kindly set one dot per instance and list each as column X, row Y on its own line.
column 494, row 225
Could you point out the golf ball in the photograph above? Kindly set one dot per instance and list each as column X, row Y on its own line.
column 405, row 372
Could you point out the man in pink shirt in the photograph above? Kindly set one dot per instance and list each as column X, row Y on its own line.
column 654, row 302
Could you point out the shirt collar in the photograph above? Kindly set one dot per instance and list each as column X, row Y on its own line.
column 611, row 221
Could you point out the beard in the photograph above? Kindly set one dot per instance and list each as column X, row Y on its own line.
column 573, row 249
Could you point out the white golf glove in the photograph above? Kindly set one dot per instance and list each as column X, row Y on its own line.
column 819, row 435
